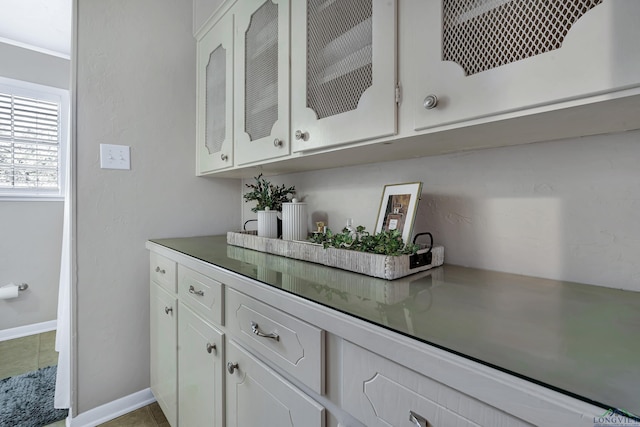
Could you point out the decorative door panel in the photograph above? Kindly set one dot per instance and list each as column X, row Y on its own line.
column 262, row 82
column 258, row 396
column 343, row 81
column 163, row 354
column 201, row 370
column 481, row 58
column 215, row 98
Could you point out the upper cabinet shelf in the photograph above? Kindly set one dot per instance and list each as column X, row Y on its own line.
column 328, row 83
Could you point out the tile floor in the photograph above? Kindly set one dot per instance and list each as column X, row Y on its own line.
column 27, row 354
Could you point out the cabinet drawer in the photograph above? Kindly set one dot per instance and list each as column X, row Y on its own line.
column 163, row 271
column 382, row 393
column 286, row 341
column 201, row 293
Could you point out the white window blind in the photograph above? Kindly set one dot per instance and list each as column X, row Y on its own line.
column 31, row 143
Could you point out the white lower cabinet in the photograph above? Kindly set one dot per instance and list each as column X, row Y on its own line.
column 380, row 392
column 163, row 357
column 258, row 396
column 201, row 371
column 230, row 351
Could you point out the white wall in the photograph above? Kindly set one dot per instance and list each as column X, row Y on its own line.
column 563, row 210
column 35, row 67
column 135, row 87
column 30, row 253
column 31, row 231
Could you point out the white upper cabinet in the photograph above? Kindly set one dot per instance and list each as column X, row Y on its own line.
column 343, row 72
column 214, row 118
column 481, row 58
column 262, row 80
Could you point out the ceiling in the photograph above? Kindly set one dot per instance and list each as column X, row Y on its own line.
column 42, row 25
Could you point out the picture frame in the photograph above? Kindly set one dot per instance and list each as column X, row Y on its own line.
column 398, row 208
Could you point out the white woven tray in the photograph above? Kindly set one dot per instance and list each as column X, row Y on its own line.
column 382, row 266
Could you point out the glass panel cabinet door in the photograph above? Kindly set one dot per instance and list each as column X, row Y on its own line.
column 215, row 98
column 262, row 80
column 473, row 59
column 343, row 72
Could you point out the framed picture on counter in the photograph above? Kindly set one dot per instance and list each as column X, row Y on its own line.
column 398, row 208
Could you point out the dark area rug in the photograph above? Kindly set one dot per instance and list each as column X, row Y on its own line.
column 27, row 400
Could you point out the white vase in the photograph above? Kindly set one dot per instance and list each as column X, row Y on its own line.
column 268, row 223
column 294, row 221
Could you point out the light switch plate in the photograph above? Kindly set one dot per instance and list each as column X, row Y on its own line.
column 115, row 156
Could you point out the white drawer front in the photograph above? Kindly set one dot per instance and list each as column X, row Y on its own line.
column 201, row 293
column 163, row 271
column 382, row 393
column 286, row 341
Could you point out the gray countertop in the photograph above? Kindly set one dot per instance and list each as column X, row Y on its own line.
column 579, row 339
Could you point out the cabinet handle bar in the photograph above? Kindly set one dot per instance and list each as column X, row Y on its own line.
column 192, row 290
column 418, row 421
column 256, row 330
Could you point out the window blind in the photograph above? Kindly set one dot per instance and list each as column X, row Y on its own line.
column 29, row 144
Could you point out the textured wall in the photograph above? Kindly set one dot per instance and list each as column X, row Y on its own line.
column 31, row 231
column 136, row 87
column 563, row 209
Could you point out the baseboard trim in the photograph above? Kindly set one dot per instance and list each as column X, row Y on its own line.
column 112, row 410
column 23, row 331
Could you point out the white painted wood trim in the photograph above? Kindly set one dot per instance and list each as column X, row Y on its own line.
column 111, row 410
column 24, row 331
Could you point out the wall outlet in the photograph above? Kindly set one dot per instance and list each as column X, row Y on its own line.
column 115, row 156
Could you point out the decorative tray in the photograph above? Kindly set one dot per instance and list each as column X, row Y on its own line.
column 382, row 266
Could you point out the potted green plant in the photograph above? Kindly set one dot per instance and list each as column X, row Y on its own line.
column 269, row 199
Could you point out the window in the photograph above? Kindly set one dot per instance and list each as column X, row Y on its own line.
column 33, row 140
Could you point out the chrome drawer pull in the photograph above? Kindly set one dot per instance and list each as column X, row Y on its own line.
column 192, row 290
column 231, row 367
column 210, row 348
column 168, row 310
column 418, row 420
column 159, row 270
column 256, row 330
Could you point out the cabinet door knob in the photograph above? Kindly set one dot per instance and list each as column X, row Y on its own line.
column 210, row 347
column 302, row 135
column 192, row 290
column 168, row 310
column 224, row 157
column 430, row 102
column 160, row 270
column 256, row 330
column 278, row 142
column 417, row 420
column 231, row 367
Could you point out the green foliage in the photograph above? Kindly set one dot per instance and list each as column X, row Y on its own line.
column 267, row 195
column 383, row 243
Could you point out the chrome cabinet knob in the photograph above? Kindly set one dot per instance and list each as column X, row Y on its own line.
column 231, row 367
column 160, row 270
column 224, row 157
column 430, row 102
column 168, row 310
column 300, row 135
column 210, row 347
column 278, row 142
